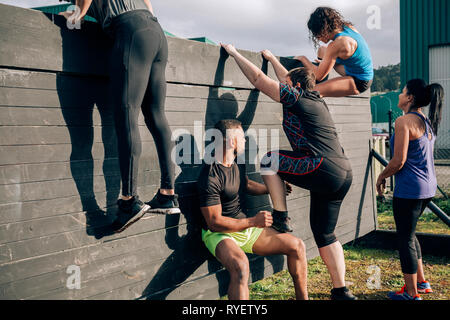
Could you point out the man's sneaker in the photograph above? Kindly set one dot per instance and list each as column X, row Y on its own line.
column 424, row 287
column 164, row 204
column 402, row 295
column 281, row 221
column 341, row 294
column 130, row 211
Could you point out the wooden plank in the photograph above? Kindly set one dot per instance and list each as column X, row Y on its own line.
column 48, row 35
column 21, row 211
column 148, row 287
column 87, row 188
column 27, row 82
column 39, row 237
column 40, row 172
column 55, row 44
column 58, row 48
column 51, row 135
column 86, row 273
column 179, row 98
column 26, row 154
column 13, row 249
column 24, row 211
column 84, row 186
column 143, row 288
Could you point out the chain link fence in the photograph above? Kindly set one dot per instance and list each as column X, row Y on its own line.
column 442, row 165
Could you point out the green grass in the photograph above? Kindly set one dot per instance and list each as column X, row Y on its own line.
column 428, row 221
column 358, row 259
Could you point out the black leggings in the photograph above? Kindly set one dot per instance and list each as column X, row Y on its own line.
column 137, row 74
column 406, row 214
column 328, row 181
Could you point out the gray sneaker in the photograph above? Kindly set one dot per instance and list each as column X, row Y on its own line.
column 130, row 211
column 164, row 204
column 342, row 294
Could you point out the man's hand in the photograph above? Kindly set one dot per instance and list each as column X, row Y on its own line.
column 230, row 49
column 263, row 219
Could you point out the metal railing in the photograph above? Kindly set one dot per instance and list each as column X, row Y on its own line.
column 432, row 206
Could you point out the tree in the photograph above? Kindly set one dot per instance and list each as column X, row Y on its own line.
column 386, row 78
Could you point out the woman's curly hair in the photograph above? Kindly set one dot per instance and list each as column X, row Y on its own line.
column 325, row 20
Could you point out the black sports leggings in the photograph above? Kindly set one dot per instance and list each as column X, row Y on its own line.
column 137, row 75
column 406, row 214
column 328, row 181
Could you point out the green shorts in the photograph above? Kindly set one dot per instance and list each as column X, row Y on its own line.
column 245, row 239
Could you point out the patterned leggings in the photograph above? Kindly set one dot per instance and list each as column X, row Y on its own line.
column 328, row 180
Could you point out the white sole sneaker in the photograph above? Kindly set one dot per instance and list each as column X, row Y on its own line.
column 165, row 210
column 137, row 217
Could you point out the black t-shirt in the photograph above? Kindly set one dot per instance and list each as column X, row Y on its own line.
column 308, row 124
column 222, row 185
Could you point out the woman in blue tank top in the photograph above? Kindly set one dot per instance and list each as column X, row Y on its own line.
column 413, row 166
column 348, row 53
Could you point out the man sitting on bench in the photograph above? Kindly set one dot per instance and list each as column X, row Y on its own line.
column 227, row 232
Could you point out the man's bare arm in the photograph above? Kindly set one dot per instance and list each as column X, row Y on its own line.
column 218, row 223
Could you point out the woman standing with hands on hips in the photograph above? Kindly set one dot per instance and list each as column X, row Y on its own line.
column 137, row 82
column 412, row 164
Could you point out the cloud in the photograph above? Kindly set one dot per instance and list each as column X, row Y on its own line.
column 278, row 25
column 30, row 3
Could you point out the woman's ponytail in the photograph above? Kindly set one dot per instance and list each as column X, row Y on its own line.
column 435, row 93
column 424, row 95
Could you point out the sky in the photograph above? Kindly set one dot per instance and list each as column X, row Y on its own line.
column 277, row 25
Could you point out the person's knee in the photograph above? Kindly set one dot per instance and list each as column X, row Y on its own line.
column 324, row 239
column 355, row 92
column 239, row 269
column 409, row 264
column 135, row 148
column 297, row 248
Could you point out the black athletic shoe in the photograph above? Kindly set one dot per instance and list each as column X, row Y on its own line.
column 281, row 221
column 164, row 204
column 342, row 294
column 130, row 211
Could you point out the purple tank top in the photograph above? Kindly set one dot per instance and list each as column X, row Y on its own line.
column 417, row 178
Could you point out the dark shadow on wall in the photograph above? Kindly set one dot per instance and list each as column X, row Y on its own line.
column 80, row 93
column 188, row 249
column 226, row 106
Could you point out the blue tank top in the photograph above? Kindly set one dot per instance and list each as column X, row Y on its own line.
column 417, row 178
column 360, row 64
